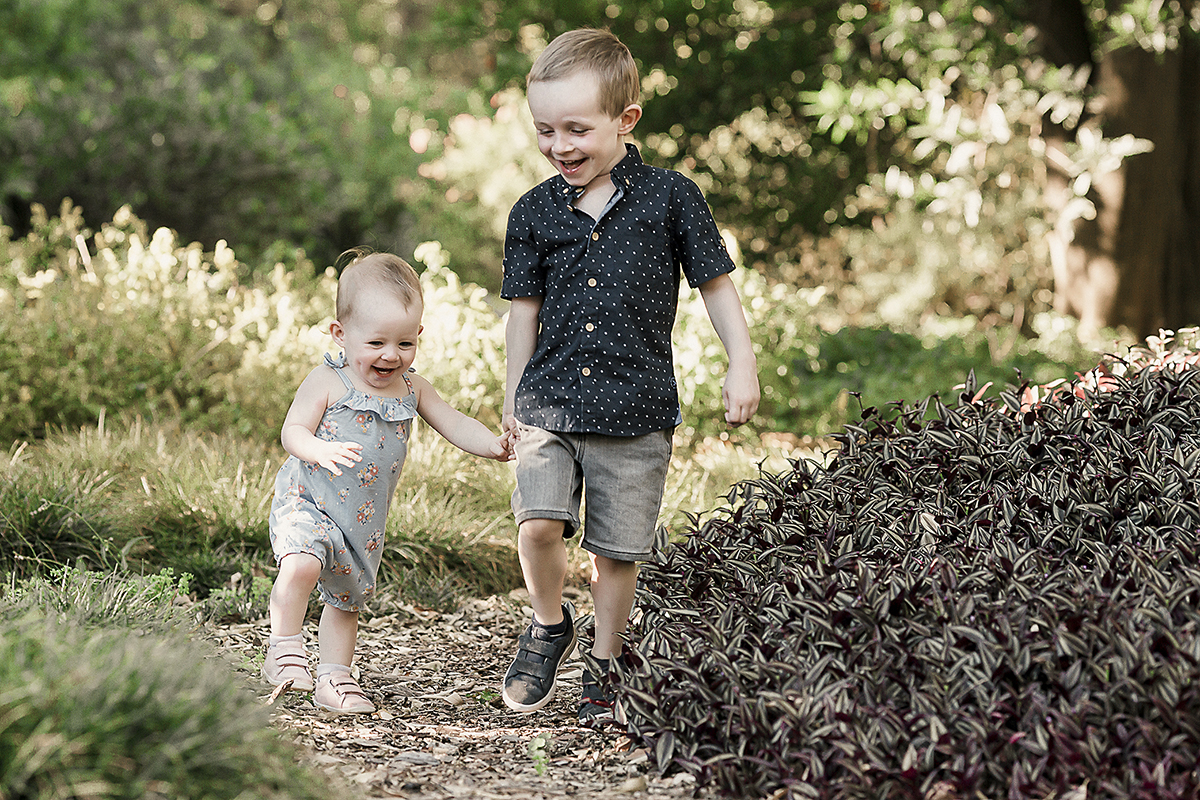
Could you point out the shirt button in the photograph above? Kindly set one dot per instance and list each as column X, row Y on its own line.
column 586, row 371
column 595, row 236
column 589, row 327
column 591, row 281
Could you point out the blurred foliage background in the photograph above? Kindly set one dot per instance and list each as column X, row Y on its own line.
column 879, row 167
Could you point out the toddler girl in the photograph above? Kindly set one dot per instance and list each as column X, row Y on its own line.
column 347, row 435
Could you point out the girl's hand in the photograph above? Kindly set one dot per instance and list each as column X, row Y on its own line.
column 502, row 448
column 330, row 454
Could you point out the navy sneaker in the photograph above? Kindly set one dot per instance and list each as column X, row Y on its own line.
column 596, row 704
column 530, row 681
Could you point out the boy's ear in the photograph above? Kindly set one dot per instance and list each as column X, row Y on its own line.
column 629, row 117
column 335, row 330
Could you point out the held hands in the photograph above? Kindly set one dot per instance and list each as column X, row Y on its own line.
column 501, row 448
column 330, row 454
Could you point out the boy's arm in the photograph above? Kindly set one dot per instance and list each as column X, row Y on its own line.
column 456, row 427
column 740, row 393
column 520, row 340
column 300, row 425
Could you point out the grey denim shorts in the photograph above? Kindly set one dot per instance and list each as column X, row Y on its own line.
column 623, row 477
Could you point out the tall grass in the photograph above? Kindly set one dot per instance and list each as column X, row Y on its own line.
column 143, row 496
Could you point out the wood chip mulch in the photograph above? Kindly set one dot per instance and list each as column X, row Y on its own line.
column 440, row 730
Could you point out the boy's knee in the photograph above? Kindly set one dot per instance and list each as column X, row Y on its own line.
column 541, row 531
column 604, row 566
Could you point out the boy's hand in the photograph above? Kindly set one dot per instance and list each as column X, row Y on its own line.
column 508, row 423
column 330, row 454
column 740, row 395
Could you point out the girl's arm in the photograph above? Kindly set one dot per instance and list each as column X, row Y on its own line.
column 300, row 425
column 740, row 392
column 456, row 427
column 520, row 340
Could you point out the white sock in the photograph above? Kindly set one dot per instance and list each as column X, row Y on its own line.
column 295, row 637
column 328, row 669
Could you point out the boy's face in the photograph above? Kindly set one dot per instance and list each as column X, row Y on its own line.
column 581, row 141
column 380, row 340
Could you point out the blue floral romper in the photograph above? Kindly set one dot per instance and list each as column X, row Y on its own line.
column 340, row 518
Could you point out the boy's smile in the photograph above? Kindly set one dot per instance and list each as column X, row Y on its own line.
column 580, row 139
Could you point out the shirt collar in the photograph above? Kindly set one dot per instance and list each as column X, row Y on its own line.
column 623, row 175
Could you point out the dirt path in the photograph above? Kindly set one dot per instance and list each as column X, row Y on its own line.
column 441, row 730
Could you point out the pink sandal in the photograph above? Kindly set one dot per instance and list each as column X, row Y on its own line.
column 340, row 693
column 287, row 661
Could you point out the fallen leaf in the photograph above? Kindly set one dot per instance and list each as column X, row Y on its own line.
column 634, row 784
column 279, row 690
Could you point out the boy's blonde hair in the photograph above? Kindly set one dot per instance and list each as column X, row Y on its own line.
column 596, row 51
column 369, row 270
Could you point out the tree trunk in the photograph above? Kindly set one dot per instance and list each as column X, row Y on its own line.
column 1147, row 214
column 1137, row 263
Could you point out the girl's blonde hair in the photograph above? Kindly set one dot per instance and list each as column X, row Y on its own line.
column 368, row 270
column 596, row 51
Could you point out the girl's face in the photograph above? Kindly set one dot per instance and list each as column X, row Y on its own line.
column 380, row 340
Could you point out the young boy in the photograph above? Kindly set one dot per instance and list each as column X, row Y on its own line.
column 592, row 261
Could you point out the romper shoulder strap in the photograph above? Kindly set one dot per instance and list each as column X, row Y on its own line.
column 339, row 366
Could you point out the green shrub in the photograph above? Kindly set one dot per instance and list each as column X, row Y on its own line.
column 993, row 599
column 242, row 599
column 110, row 713
column 873, row 363
column 215, row 121
column 101, row 695
column 144, row 325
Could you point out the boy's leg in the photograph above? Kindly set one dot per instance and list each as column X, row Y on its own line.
column 543, row 554
column 613, row 586
column 614, row 583
column 545, row 504
column 625, row 479
column 530, row 680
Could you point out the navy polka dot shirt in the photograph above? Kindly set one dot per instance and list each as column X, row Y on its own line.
column 603, row 361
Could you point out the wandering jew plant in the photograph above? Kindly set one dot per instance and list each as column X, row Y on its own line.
column 994, row 599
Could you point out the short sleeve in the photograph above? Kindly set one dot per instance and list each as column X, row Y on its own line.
column 524, row 274
column 695, row 240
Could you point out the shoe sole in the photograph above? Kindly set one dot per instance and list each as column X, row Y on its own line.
column 333, row 710
column 603, row 718
column 310, row 686
column 521, row 708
